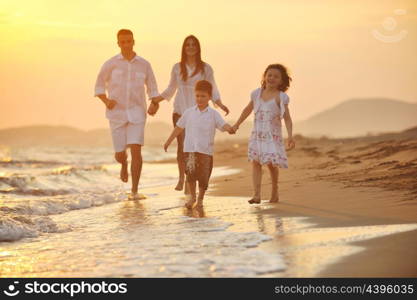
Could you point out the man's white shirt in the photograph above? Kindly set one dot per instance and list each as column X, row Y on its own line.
column 125, row 83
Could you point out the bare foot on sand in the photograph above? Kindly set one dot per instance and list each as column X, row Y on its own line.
column 123, row 172
column 136, row 196
column 190, row 203
column 274, row 199
column 180, row 185
column 254, row 200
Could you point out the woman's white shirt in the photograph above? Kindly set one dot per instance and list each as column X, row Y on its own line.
column 185, row 96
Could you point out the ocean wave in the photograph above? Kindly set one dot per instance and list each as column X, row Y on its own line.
column 67, row 170
column 59, row 205
column 19, row 227
column 28, row 163
column 57, row 181
column 16, row 181
column 30, row 218
column 35, row 192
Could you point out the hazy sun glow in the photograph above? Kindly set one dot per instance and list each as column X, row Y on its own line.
column 51, row 51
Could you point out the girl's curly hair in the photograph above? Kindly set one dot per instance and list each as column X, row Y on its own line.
column 286, row 79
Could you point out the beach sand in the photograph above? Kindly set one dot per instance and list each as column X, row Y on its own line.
column 348, row 208
column 363, row 184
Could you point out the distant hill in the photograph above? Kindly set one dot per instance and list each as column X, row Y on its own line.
column 47, row 135
column 358, row 117
column 408, row 134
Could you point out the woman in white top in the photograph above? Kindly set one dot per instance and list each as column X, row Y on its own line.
column 184, row 76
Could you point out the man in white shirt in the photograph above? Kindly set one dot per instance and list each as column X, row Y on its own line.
column 200, row 123
column 124, row 78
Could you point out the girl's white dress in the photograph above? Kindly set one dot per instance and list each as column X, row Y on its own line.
column 266, row 144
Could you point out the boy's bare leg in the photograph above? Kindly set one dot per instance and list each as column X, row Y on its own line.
column 273, row 170
column 186, row 189
column 121, row 157
column 200, row 198
column 135, row 166
column 180, row 162
column 190, row 203
column 256, row 180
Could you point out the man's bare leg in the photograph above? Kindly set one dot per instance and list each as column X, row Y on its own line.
column 135, row 166
column 121, row 157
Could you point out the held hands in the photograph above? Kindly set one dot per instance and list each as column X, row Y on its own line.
column 153, row 108
column 110, row 103
column 235, row 128
column 231, row 131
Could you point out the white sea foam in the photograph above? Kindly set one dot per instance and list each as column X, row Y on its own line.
column 49, row 187
column 11, row 230
column 18, row 227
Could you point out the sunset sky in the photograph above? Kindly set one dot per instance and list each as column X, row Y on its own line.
column 52, row 50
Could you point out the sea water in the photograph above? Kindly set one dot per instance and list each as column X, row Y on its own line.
column 64, row 212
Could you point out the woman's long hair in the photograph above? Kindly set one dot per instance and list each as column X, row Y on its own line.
column 199, row 63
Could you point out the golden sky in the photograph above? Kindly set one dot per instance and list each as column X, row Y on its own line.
column 51, row 51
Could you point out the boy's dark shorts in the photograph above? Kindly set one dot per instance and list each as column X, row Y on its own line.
column 198, row 167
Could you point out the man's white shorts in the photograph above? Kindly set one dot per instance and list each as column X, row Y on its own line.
column 124, row 134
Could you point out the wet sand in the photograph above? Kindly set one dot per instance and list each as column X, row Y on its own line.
column 158, row 237
column 365, row 184
column 337, row 217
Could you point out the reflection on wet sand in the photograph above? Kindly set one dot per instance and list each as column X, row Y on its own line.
column 159, row 237
column 132, row 213
column 305, row 247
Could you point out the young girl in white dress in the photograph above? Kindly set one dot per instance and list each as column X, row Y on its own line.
column 266, row 144
column 184, row 76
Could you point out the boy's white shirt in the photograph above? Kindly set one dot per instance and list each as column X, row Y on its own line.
column 200, row 128
column 125, row 82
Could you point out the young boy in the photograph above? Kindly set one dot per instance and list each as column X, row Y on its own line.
column 200, row 123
